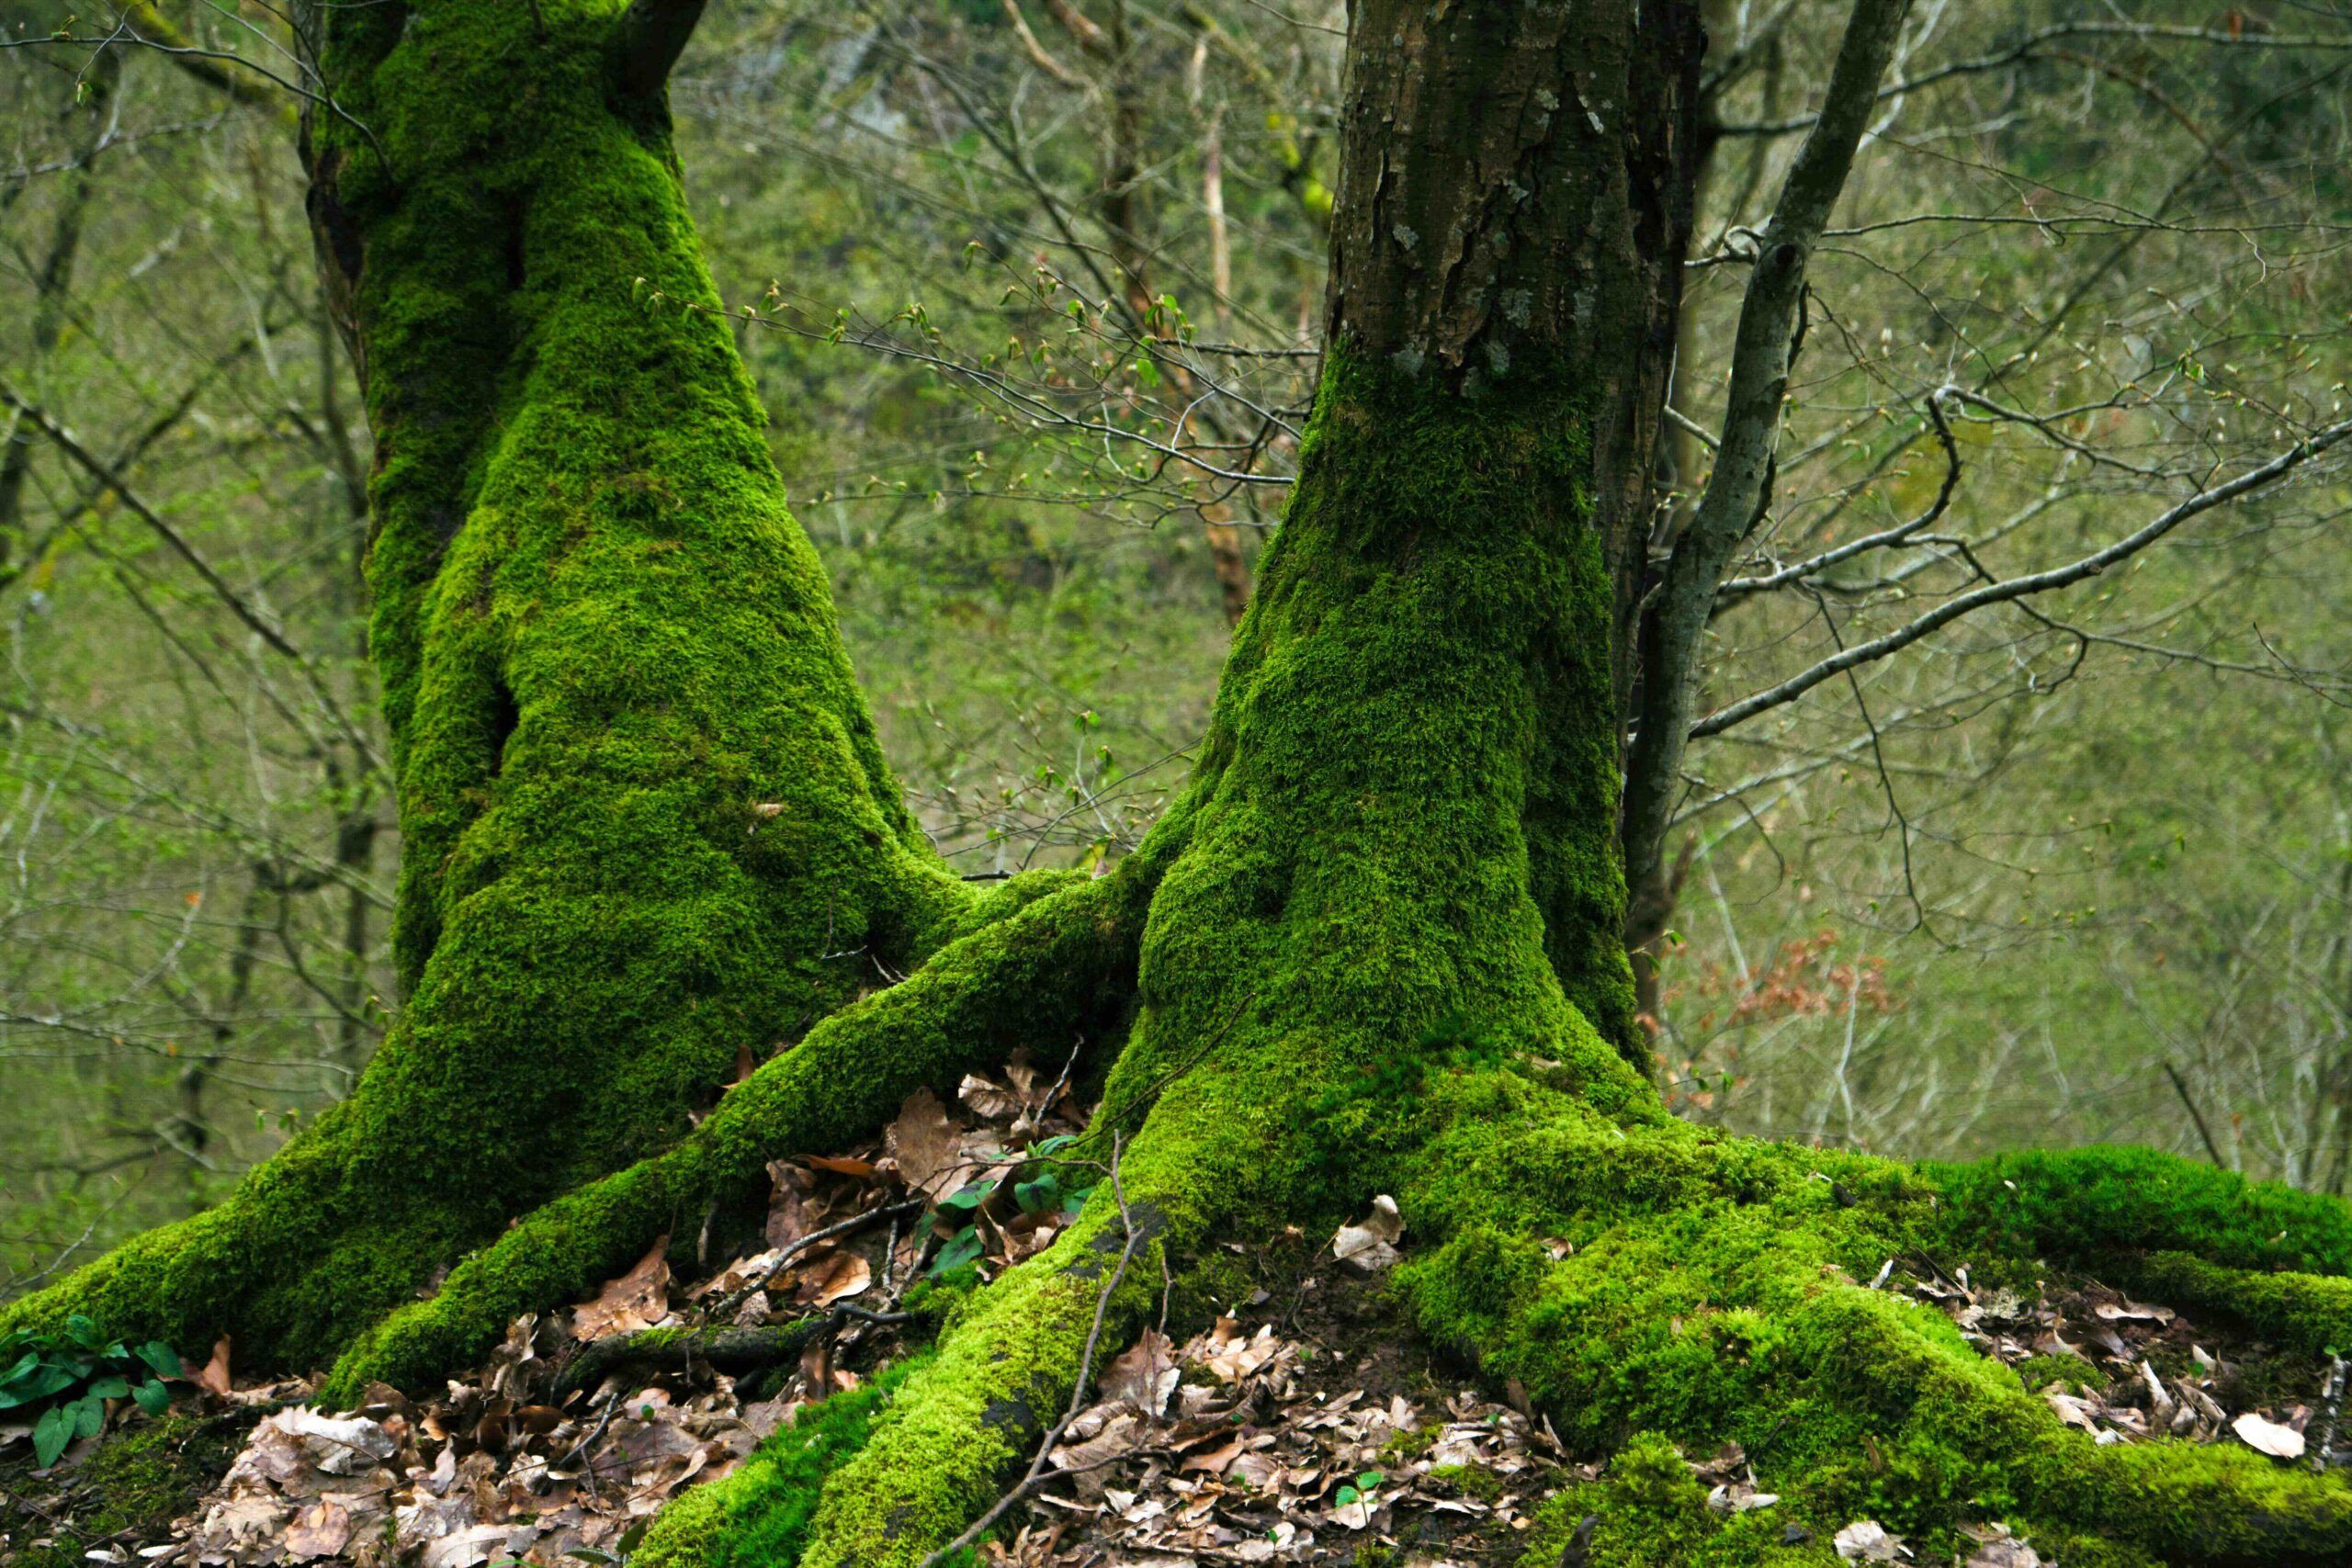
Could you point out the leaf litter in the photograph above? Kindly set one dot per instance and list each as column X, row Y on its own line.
column 1303, row 1426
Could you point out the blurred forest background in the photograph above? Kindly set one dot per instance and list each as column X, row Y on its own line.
column 1034, row 293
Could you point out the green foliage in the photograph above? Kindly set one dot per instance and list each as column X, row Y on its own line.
column 66, row 1378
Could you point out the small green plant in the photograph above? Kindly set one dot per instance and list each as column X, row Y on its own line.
column 1050, row 1189
column 73, row 1375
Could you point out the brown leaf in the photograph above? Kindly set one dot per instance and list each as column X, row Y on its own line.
column 214, row 1378
column 639, row 1299
column 1214, row 1461
column 1371, row 1247
column 830, row 1276
column 1143, row 1375
column 322, row 1529
column 1090, row 1457
column 787, row 1206
column 922, row 1146
column 843, row 1164
column 2134, row 1312
column 989, row 1100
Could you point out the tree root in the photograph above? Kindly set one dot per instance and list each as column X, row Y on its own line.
column 1648, row 1283
column 727, row 1349
column 1065, row 960
column 1712, row 1294
column 998, row 1386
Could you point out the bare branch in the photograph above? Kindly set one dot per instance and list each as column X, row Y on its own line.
column 2033, row 44
column 1739, row 588
column 2013, row 588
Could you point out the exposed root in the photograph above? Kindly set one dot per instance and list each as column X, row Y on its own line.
column 1063, row 960
column 1711, row 1292
column 1650, row 1285
column 727, row 1349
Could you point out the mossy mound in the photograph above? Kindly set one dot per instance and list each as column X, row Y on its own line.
column 132, row 1486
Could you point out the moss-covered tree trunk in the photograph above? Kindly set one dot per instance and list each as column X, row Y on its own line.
column 646, row 827
column 1374, row 946
column 1382, row 947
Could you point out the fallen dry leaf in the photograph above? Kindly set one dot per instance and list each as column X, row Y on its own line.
column 1865, row 1540
column 1371, row 1247
column 2279, row 1442
column 322, row 1529
column 922, row 1145
column 1143, row 1375
column 2133, row 1312
column 831, row 1277
column 639, row 1299
column 1214, row 1461
column 990, row 1101
column 214, row 1376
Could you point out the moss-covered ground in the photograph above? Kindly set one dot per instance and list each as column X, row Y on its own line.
column 131, row 1488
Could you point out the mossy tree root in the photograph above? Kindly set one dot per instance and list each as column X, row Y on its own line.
column 1648, row 1282
column 1712, row 1294
column 1056, row 963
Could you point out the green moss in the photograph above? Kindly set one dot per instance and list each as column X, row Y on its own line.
column 2072, row 1373
column 1406, row 1447
column 134, row 1484
column 759, row 1516
column 2088, row 1203
column 1469, row 1480
column 1648, row 1511
column 1714, row 1292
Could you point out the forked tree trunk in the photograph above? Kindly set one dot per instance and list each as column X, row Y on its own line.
column 1372, row 947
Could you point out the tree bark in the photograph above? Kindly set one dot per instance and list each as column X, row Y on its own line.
column 1372, row 947
column 646, row 825
column 1521, row 206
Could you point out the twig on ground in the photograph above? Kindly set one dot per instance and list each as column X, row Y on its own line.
column 2331, row 1403
column 1029, row 1481
column 892, row 1212
column 612, row 1402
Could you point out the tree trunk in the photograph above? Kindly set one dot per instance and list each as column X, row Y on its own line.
column 1385, row 950
column 646, row 825
column 1374, row 945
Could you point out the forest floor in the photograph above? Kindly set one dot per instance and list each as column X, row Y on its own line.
column 1304, row 1425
